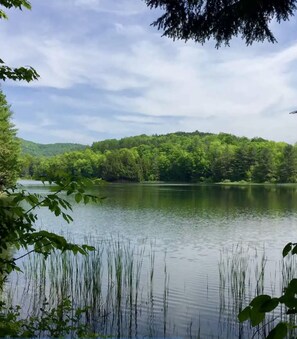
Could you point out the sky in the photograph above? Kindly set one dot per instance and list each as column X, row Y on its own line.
column 105, row 72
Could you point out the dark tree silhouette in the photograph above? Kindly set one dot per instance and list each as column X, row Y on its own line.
column 201, row 20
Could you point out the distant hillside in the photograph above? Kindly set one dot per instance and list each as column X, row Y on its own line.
column 149, row 140
column 47, row 150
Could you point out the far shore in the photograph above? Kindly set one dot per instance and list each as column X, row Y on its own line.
column 24, row 181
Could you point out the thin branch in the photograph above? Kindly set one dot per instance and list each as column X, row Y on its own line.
column 42, row 201
column 34, row 250
column 260, row 328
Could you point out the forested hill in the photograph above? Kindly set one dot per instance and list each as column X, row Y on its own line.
column 153, row 140
column 38, row 150
column 183, row 157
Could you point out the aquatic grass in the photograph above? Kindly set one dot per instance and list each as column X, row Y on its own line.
column 165, row 296
column 109, row 281
column 151, row 276
column 244, row 274
column 118, row 283
column 289, row 272
column 241, row 273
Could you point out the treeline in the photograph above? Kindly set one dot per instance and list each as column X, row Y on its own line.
column 39, row 150
column 182, row 157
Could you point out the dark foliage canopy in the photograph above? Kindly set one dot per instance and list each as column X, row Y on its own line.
column 201, row 20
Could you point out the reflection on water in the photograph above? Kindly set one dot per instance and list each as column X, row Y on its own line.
column 171, row 260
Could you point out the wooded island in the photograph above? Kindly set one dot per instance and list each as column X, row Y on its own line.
column 177, row 157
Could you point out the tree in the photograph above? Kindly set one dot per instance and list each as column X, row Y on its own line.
column 17, row 224
column 9, row 146
column 288, row 166
column 6, row 72
column 18, row 221
column 244, row 158
column 201, row 20
column 264, row 169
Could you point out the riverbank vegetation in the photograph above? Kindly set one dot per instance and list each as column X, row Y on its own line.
column 19, row 236
column 9, row 146
column 180, row 157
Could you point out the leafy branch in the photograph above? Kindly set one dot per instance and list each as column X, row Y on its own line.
column 256, row 311
column 22, row 73
column 17, row 220
column 19, row 73
column 57, row 322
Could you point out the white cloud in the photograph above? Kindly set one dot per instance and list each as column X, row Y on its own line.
column 139, row 119
column 101, row 125
column 129, row 30
column 123, row 7
column 142, row 77
column 42, row 133
column 64, row 135
column 184, row 86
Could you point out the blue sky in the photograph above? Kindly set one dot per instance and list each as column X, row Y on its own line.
column 106, row 73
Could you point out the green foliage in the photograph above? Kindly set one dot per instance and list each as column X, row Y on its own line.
column 19, row 4
column 280, row 331
column 57, row 322
column 9, row 146
column 17, row 230
column 288, row 166
column 264, row 168
column 255, row 312
column 18, row 217
column 201, row 20
column 30, row 148
column 183, row 157
column 21, row 73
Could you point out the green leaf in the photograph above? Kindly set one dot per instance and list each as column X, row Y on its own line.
column 279, row 332
column 269, row 305
column 3, row 15
column 259, row 300
column 294, row 250
column 287, row 249
column 78, row 197
column 244, row 314
column 88, row 248
column 289, row 300
column 256, row 317
column 292, row 287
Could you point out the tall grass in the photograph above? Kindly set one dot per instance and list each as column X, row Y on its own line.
column 110, row 281
column 245, row 272
column 127, row 290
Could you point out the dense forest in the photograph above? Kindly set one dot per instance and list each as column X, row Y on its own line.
column 179, row 157
column 39, row 150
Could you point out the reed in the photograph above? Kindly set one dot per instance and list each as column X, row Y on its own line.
column 121, row 284
column 109, row 281
column 244, row 274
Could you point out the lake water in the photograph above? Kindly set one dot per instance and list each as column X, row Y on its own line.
column 197, row 254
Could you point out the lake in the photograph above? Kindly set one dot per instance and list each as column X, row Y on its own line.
column 173, row 260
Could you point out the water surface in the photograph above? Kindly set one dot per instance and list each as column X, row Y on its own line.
column 191, row 238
